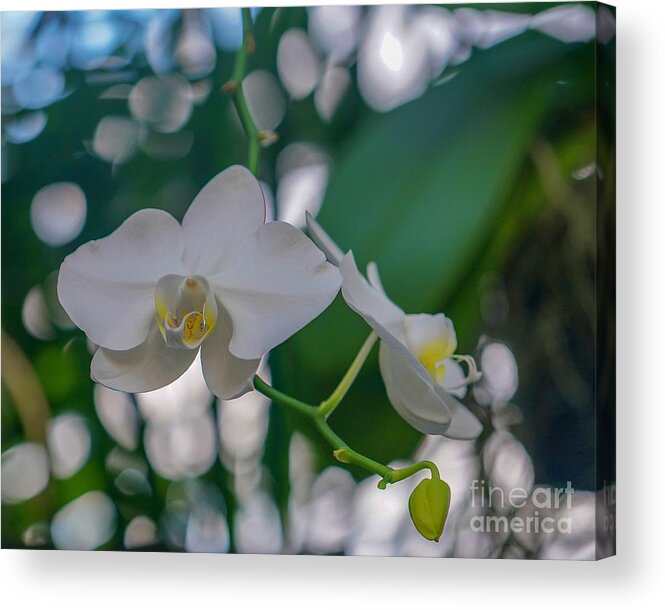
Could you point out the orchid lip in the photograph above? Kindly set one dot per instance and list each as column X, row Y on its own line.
column 186, row 310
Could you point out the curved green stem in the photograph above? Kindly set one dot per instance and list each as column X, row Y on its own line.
column 341, row 449
column 343, row 453
column 330, row 404
column 234, row 88
column 284, row 399
column 404, row 473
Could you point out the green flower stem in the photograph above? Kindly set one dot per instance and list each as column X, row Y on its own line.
column 284, row 399
column 342, row 452
column 330, row 404
column 234, row 88
column 404, row 473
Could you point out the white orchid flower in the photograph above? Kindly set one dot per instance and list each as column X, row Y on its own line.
column 226, row 283
column 417, row 357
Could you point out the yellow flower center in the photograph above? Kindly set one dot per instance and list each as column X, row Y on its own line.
column 186, row 310
column 432, row 356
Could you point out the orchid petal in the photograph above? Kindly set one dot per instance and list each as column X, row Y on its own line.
column 366, row 300
column 374, row 278
column 421, row 330
column 107, row 286
column 147, row 367
column 382, row 315
column 464, row 426
column 454, row 380
column 421, row 403
column 332, row 251
column 280, row 282
column 226, row 376
column 222, row 217
column 413, row 397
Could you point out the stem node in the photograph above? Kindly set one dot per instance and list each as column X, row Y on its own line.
column 234, row 88
column 267, row 138
column 342, row 455
column 230, row 87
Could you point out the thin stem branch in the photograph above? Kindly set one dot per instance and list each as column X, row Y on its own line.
column 343, row 453
column 330, row 404
column 404, row 473
column 283, row 399
column 341, row 449
column 234, row 88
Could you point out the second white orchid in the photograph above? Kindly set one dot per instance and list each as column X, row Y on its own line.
column 417, row 357
column 226, row 283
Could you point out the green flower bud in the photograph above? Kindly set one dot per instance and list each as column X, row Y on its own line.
column 428, row 505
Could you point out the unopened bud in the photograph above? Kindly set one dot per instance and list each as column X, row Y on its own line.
column 428, row 506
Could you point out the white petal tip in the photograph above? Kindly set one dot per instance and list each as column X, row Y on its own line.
column 324, row 242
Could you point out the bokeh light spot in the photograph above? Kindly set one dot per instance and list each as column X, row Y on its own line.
column 58, row 213
column 25, row 472
column 85, row 523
